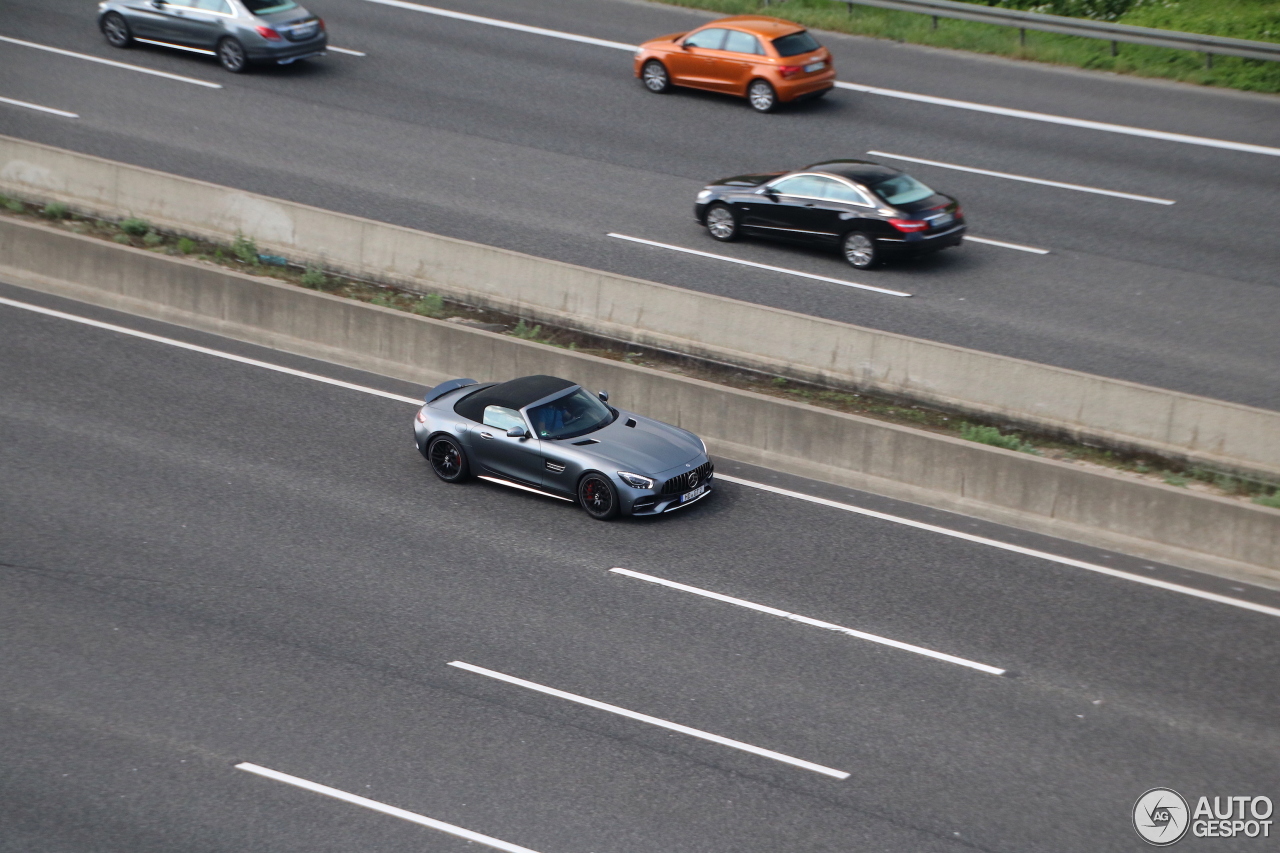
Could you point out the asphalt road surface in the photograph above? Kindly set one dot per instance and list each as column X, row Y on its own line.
column 547, row 145
column 206, row 564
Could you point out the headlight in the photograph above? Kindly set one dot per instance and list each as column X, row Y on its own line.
column 635, row 480
column 704, row 195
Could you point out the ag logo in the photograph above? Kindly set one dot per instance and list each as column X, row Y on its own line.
column 1160, row 816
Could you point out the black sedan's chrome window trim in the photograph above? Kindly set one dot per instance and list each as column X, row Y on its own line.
column 839, row 180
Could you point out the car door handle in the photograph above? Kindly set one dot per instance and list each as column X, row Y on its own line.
column 486, row 435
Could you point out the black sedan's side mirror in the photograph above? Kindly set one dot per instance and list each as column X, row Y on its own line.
column 517, row 432
column 604, row 396
column 768, row 192
column 158, row 3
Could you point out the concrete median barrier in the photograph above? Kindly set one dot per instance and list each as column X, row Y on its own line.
column 1087, row 408
column 1108, row 510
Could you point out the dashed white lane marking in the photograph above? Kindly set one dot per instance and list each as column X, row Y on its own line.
column 1002, row 244
column 126, row 66
column 645, row 718
column 805, row 620
column 506, row 25
column 31, row 106
column 266, row 365
column 1024, row 178
column 875, row 90
column 348, row 51
column 376, row 806
column 1004, row 546
column 783, row 270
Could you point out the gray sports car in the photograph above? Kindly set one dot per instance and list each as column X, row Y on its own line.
column 550, row 436
column 237, row 32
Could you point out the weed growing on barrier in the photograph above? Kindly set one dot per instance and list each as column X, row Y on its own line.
column 245, row 249
column 134, row 227
column 526, row 332
column 1272, row 500
column 185, row 245
column 431, row 305
column 314, row 278
column 54, row 210
column 152, row 240
column 14, row 206
column 990, row 435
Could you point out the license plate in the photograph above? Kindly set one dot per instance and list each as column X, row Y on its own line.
column 942, row 219
column 816, row 66
column 688, row 496
column 304, row 32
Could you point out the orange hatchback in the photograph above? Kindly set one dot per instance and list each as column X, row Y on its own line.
column 768, row 61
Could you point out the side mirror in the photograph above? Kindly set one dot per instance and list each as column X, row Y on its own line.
column 604, row 396
column 156, row 4
column 768, row 192
column 517, row 432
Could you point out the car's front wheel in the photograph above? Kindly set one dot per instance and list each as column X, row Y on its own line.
column 860, row 250
column 655, row 77
column 231, row 56
column 762, row 97
column 722, row 224
column 116, row 30
column 598, row 497
column 447, row 459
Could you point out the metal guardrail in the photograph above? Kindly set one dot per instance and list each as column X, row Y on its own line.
column 1083, row 27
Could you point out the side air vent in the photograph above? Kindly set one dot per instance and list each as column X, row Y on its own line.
column 555, row 467
column 585, row 443
column 631, row 422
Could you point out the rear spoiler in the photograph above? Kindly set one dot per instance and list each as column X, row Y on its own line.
column 445, row 387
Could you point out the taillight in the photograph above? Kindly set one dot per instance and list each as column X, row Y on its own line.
column 268, row 33
column 959, row 213
column 320, row 21
column 790, row 70
column 422, row 415
column 908, row 226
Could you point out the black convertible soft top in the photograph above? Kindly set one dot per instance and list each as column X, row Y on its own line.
column 514, row 394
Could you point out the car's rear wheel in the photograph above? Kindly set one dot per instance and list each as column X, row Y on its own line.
column 598, row 497
column 655, row 77
column 231, row 56
column 722, row 224
column 761, row 96
column 860, row 250
column 447, row 459
column 116, row 30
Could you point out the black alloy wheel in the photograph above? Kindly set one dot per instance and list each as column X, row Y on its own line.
column 860, row 250
column 655, row 77
column 231, row 56
column 447, row 459
column 116, row 30
column 598, row 497
column 722, row 224
column 761, row 96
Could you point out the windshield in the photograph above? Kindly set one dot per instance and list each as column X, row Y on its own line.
column 901, row 189
column 266, row 7
column 569, row 416
column 795, row 44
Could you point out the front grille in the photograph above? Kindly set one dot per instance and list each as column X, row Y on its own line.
column 689, row 480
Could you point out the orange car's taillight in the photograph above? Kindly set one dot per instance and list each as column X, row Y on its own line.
column 790, row 70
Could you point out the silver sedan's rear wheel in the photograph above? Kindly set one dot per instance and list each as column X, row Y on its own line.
column 116, row 30
column 655, row 77
column 722, row 224
column 762, row 97
column 598, row 497
column 231, row 55
column 860, row 250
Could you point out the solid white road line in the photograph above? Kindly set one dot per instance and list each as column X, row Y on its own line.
column 874, row 90
column 805, row 620
column 645, row 718
column 97, row 324
column 376, row 806
column 1066, row 561
column 348, row 51
column 1002, row 244
column 1005, row 546
column 112, row 63
column 761, row 266
column 62, row 113
column 506, row 25
column 1070, row 122
column 1023, row 178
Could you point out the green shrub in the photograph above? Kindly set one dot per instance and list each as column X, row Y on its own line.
column 431, row 305
column 122, row 238
column 526, row 332
column 990, row 435
column 1272, row 501
column 134, row 227
column 186, row 245
column 314, row 278
column 54, row 210
column 1175, row 479
column 152, row 239
column 14, row 205
column 383, row 300
column 245, row 249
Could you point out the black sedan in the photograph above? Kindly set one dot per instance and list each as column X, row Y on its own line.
column 866, row 210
